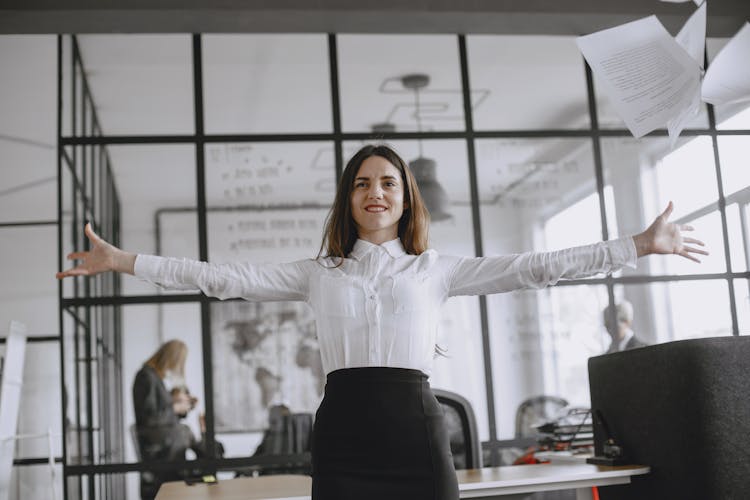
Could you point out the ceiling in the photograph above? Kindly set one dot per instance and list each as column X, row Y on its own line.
column 561, row 17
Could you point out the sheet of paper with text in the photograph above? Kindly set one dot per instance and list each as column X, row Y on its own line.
column 647, row 75
column 728, row 77
column 692, row 38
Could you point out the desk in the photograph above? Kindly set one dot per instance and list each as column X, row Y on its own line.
column 489, row 482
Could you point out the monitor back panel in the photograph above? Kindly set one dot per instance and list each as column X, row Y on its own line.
column 682, row 408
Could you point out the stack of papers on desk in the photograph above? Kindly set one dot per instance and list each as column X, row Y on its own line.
column 573, row 430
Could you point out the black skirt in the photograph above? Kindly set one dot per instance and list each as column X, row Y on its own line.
column 379, row 434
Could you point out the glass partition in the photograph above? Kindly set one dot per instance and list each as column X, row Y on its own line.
column 512, row 88
column 247, row 80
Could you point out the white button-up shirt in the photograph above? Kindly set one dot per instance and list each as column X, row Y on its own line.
column 380, row 307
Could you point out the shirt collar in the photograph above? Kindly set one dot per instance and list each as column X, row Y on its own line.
column 629, row 334
column 361, row 248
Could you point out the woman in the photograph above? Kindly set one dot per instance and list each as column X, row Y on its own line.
column 159, row 432
column 375, row 291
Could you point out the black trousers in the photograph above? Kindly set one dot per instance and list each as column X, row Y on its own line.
column 379, row 434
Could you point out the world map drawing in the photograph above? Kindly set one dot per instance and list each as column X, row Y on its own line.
column 264, row 354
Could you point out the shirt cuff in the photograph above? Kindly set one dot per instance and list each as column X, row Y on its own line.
column 146, row 267
column 623, row 252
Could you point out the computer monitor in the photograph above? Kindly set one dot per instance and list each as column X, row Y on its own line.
column 682, row 408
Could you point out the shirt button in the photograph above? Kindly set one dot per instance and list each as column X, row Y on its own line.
column 372, row 297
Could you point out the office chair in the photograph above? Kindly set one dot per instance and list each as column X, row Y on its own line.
column 462, row 429
column 287, row 434
column 535, row 410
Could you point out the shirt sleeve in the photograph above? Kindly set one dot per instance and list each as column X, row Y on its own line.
column 486, row 275
column 255, row 282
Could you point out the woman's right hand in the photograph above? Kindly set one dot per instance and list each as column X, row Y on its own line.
column 101, row 258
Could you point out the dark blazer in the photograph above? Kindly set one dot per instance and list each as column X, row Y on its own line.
column 633, row 343
column 160, row 435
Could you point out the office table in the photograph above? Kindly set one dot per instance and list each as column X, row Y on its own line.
column 489, row 482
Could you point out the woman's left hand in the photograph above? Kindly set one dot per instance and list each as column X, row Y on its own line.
column 664, row 237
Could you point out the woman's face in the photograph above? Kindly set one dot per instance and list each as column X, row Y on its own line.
column 377, row 200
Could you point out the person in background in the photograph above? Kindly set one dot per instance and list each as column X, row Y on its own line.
column 621, row 332
column 161, row 436
column 375, row 289
column 185, row 402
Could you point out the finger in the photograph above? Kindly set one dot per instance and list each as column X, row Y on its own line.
column 694, row 241
column 694, row 250
column 77, row 255
column 668, row 211
column 71, row 272
column 688, row 256
column 89, row 231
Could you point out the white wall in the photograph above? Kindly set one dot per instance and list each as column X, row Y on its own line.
column 28, row 255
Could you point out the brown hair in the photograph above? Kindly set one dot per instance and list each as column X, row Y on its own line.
column 340, row 229
column 170, row 356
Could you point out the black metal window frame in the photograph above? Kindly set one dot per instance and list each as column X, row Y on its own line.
column 84, row 154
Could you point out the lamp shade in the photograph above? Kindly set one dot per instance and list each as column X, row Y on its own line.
column 435, row 197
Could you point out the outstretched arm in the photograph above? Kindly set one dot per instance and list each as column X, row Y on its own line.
column 664, row 237
column 503, row 273
column 101, row 258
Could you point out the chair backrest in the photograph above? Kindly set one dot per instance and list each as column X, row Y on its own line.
column 462, row 428
column 537, row 409
column 287, row 433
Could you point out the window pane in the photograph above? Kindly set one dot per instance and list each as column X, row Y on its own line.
column 266, row 84
column 145, row 328
column 527, row 82
column 737, row 217
column 742, row 301
column 372, row 92
column 573, row 335
column 157, row 195
column 531, row 189
column 141, row 84
column 536, row 194
column 667, row 311
column 41, row 391
column 645, row 175
column 540, row 344
column 105, row 486
column 36, row 481
column 27, row 140
column 685, row 175
column 734, row 116
column 268, row 201
column 29, row 289
column 264, row 355
column 733, row 153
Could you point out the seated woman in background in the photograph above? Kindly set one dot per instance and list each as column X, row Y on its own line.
column 183, row 402
column 160, row 434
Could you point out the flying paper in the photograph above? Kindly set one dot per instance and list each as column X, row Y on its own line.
column 647, row 75
column 728, row 77
column 692, row 38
